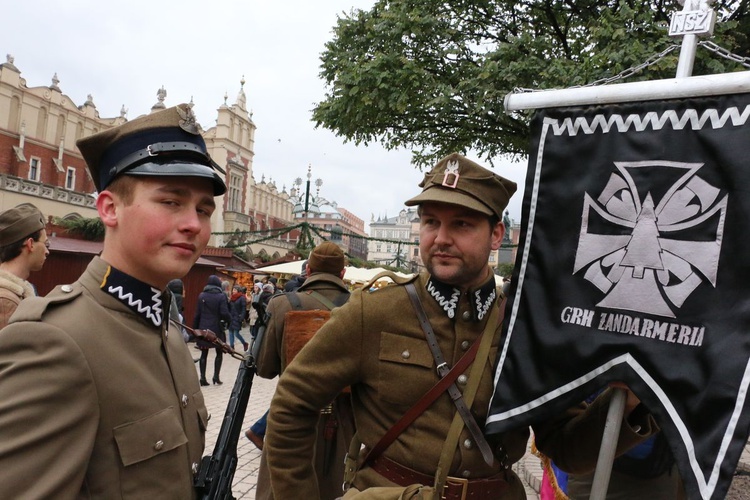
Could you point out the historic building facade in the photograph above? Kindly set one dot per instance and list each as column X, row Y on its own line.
column 40, row 163
column 396, row 240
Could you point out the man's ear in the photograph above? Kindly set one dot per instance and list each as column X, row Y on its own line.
column 107, row 206
column 497, row 235
column 29, row 244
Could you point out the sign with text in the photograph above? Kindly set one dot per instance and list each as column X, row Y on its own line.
column 633, row 267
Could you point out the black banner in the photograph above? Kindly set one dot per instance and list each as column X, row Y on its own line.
column 633, row 266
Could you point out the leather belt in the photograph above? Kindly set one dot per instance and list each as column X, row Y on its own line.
column 456, row 488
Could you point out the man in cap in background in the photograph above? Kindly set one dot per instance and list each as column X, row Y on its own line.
column 99, row 396
column 23, row 248
column 394, row 344
column 323, row 289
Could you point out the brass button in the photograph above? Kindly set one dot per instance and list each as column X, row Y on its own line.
column 462, row 379
column 184, row 400
column 465, row 345
column 159, row 445
column 406, row 354
column 66, row 288
column 468, row 444
column 466, row 316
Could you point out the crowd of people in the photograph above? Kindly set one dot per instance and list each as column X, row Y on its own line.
column 98, row 371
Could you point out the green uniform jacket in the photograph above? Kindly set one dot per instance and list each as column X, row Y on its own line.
column 96, row 401
column 375, row 344
column 329, row 451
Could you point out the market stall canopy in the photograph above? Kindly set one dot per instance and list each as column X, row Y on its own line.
column 293, row 267
column 353, row 274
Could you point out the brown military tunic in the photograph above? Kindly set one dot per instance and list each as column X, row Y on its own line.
column 375, row 344
column 96, row 400
column 329, row 450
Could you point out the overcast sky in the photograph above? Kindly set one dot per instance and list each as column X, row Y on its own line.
column 122, row 52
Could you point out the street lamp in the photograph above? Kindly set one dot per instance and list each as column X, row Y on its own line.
column 299, row 208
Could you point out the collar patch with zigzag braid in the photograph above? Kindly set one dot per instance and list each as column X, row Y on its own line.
column 448, row 296
column 143, row 299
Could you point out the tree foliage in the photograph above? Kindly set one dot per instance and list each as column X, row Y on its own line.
column 431, row 75
column 91, row 229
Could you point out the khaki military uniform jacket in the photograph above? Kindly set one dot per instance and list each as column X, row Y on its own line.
column 95, row 400
column 375, row 344
column 331, row 448
column 12, row 291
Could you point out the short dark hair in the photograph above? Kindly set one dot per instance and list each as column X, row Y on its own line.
column 13, row 250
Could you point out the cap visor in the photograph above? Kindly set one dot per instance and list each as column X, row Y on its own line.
column 180, row 169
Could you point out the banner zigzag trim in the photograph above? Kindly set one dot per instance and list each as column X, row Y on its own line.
column 622, row 123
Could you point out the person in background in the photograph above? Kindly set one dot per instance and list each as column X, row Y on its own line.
column 297, row 280
column 253, row 315
column 211, row 311
column 322, row 290
column 99, row 397
column 177, row 312
column 237, row 308
column 24, row 247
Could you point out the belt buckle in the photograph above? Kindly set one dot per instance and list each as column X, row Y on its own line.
column 457, row 481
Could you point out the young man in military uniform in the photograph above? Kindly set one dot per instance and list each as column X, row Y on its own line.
column 99, row 397
column 23, row 248
column 322, row 289
column 376, row 345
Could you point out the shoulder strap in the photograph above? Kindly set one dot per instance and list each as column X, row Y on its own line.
column 470, row 391
column 442, row 369
column 322, row 299
column 399, row 280
column 294, row 300
column 330, row 304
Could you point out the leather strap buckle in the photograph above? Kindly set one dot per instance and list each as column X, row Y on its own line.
column 456, row 482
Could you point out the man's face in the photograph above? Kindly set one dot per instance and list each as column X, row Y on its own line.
column 162, row 232
column 39, row 252
column 455, row 243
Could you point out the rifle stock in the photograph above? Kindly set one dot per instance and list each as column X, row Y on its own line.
column 213, row 481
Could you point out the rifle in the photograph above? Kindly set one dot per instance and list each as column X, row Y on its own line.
column 214, row 478
column 213, row 481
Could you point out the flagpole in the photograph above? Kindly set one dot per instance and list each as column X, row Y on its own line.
column 616, row 410
column 609, row 444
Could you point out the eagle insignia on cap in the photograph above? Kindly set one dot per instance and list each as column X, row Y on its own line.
column 188, row 121
column 451, row 173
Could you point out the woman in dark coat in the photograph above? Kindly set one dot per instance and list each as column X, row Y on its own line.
column 211, row 310
column 237, row 307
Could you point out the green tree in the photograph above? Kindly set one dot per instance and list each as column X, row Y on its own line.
column 91, row 229
column 431, row 75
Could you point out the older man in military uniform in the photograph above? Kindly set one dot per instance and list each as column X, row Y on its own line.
column 376, row 344
column 99, row 397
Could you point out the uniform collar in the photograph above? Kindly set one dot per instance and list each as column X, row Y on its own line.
column 143, row 299
column 447, row 297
